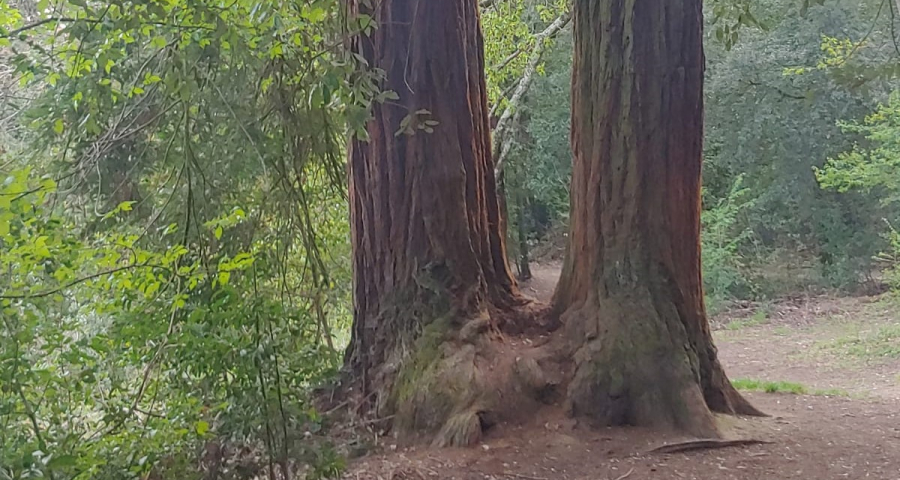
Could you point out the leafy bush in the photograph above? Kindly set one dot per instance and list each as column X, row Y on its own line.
column 873, row 168
column 724, row 236
column 117, row 360
column 169, row 305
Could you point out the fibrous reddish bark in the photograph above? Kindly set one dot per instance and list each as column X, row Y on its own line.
column 630, row 295
column 429, row 260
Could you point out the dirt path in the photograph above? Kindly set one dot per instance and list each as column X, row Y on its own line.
column 814, row 438
column 844, row 353
column 543, row 280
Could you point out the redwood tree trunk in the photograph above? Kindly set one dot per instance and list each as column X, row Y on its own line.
column 429, row 260
column 631, row 295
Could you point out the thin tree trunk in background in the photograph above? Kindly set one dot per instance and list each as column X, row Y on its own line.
column 630, row 294
column 523, row 261
column 429, row 258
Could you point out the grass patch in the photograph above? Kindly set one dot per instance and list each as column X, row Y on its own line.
column 769, row 387
column 831, row 392
column 782, row 331
column 882, row 342
column 760, row 317
column 784, row 387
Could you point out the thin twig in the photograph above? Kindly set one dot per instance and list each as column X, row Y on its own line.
column 80, row 280
column 626, row 475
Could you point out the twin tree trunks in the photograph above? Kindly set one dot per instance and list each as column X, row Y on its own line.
column 443, row 343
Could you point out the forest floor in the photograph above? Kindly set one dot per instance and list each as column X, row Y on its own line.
column 826, row 369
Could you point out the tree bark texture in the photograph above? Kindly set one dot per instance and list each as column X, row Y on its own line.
column 429, row 259
column 630, row 294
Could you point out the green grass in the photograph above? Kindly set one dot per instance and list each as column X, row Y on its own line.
column 882, row 342
column 768, row 387
column 760, row 317
column 782, row 331
column 784, row 387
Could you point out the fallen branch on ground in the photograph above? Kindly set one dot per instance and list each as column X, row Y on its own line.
column 692, row 445
column 626, row 475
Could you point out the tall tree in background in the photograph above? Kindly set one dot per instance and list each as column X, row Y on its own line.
column 631, row 295
column 429, row 257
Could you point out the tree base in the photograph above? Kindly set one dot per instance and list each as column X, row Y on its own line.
column 636, row 363
column 621, row 361
column 454, row 389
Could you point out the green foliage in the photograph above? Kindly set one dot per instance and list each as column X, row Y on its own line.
column 509, row 29
column 118, row 360
column 186, row 283
column 872, row 167
column 724, row 238
column 776, row 128
column 540, row 160
column 875, row 165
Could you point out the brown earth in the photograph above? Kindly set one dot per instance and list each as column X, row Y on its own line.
column 849, row 430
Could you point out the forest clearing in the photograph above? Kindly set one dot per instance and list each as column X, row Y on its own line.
column 462, row 239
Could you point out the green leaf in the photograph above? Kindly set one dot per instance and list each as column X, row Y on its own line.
column 218, row 232
column 58, row 126
column 62, row 461
column 202, row 427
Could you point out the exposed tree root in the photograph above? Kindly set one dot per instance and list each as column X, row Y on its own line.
column 457, row 379
column 706, row 444
column 461, row 429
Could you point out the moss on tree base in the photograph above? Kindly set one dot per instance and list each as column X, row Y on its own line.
column 634, row 366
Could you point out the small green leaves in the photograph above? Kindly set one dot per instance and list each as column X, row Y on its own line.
column 313, row 14
column 61, row 461
column 52, row 78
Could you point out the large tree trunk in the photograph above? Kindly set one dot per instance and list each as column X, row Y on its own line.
column 630, row 295
column 430, row 274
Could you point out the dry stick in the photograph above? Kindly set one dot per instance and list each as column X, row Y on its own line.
column 525, row 477
column 626, row 475
column 692, row 445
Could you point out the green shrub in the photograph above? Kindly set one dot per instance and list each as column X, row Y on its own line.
column 724, row 236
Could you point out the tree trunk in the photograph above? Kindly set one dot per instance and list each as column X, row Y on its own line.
column 430, row 274
column 630, row 294
column 522, row 227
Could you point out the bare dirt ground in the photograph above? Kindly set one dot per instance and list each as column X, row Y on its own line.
column 844, row 352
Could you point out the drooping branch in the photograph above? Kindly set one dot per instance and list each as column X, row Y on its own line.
column 510, row 116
